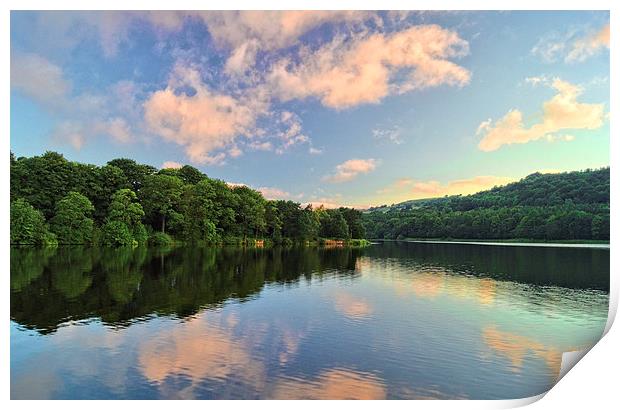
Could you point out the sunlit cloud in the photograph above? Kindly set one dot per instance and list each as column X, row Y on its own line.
column 348, row 72
column 351, row 169
column 171, row 165
column 409, row 188
column 561, row 112
column 276, row 193
column 203, row 122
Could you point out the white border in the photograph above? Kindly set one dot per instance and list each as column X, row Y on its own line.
column 592, row 383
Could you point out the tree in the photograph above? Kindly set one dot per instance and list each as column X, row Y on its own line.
column 308, row 224
column 273, row 223
column 109, row 180
column 134, row 172
column 198, row 209
column 333, row 225
column 160, row 196
column 42, row 181
column 250, row 211
column 353, row 217
column 116, row 233
column 28, row 225
column 190, row 175
column 124, row 222
column 72, row 223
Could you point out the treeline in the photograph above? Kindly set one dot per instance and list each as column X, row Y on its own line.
column 565, row 206
column 54, row 200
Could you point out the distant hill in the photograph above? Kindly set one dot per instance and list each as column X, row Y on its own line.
column 569, row 205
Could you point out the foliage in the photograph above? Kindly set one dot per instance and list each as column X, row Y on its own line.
column 182, row 202
column 160, row 196
column 28, row 225
column 572, row 205
column 160, row 239
column 117, row 233
column 72, row 223
column 124, row 209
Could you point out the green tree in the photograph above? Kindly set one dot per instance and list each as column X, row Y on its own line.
column 28, row 225
column 116, row 233
column 250, row 211
column 160, row 195
column 333, row 225
column 273, row 223
column 72, row 223
column 198, row 208
column 190, row 175
column 124, row 222
column 135, row 173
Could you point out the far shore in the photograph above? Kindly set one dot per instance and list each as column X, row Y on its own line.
column 507, row 242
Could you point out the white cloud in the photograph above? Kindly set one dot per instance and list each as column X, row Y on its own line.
column 350, row 169
column 291, row 132
column 561, row 112
column 39, row 79
column 393, row 135
column 589, row 45
column 573, row 46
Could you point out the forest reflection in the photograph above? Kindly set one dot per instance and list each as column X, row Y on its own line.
column 122, row 285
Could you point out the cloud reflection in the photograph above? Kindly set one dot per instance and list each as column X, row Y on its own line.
column 517, row 348
column 333, row 384
column 352, row 307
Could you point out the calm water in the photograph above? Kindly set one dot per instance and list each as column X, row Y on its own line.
column 395, row 320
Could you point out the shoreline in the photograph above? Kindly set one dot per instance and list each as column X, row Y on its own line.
column 500, row 243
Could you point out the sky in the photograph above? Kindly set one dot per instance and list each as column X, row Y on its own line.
column 353, row 108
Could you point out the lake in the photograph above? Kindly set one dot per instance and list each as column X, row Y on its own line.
column 394, row 320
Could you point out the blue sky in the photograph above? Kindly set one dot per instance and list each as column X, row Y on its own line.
column 338, row 108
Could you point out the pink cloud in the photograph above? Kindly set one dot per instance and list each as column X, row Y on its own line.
column 203, row 122
column 276, row 193
column 171, row 165
column 407, row 188
column 349, row 72
column 350, row 169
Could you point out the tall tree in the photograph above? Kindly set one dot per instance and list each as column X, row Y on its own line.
column 250, row 211
column 124, row 222
column 160, row 196
column 198, row 208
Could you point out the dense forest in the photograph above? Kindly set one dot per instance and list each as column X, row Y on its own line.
column 56, row 201
column 563, row 206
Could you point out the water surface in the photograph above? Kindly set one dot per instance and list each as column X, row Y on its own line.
column 394, row 320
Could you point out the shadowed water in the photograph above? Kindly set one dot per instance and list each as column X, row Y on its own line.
column 394, row 320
